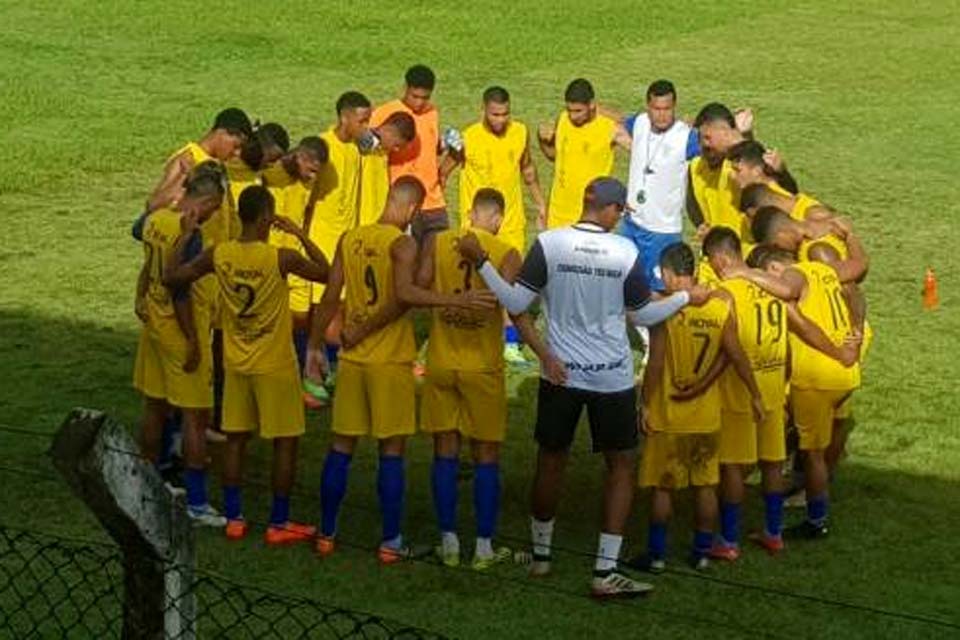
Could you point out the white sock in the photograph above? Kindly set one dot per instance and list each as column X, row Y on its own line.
column 484, row 548
column 542, row 534
column 608, row 550
column 450, row 542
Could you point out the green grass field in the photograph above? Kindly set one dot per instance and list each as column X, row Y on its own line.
column 857, row 98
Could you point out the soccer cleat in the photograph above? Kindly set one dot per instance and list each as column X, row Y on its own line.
column 390, row 555
column 645, row 562
column 448, row 558
column 289, row 533
column 315, row 396
column 539, row 565
column 698, row 562
column 500, row 555
column 773, row 544
column 617, row 585
column 236, row 529
column 206, row 516
column 513, row 355
column 807, row 530
column 324, row 546
column 722, row 550
column 215, row 437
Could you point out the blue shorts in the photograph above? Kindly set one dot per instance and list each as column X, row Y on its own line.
column 651, row 245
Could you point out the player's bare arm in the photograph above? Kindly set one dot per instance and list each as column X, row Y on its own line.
column 315, row 267
column 403, row 254
column 426, row 262
column 730, row 342
column 528, row 169
column 170, row 187
column 547, row 138
column 788, row 286
column 321, row 316
column 846, row 354
column 622, row 137
column 654, row 371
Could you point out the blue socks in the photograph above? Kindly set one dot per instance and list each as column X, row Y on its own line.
column 657, row 541
column 280, row 510
column 332, row 352
column 443, row 478
column 773, row 513
column 196, row 484
column 511, row 335
column 817, row 509
column 730, row 522
column 231, row 503
column 486, row 497
column 390, row 484
column 300, row 338
column 333, row 486
column 702, row 541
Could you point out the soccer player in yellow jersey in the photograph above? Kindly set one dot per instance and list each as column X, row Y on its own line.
column 819, row 383
column 263, row 149
column 755, row 177
column 173, row 365
column 683, row 432
column 762, row 323
column 496, row 155
column 231, row 128
column 580, row 144
column 374, row 269
column 334, row 205
column 464, row 394
column 290, row 181
column 262, row 382
column 376, row 144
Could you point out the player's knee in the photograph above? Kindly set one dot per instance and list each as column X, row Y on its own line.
column 485, row 452
column 393, row 446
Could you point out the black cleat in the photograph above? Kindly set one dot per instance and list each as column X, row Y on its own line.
column 806, row 530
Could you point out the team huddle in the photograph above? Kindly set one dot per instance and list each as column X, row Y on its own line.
column 279, row 276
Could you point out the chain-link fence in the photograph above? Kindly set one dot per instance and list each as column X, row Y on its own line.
column 51, row 587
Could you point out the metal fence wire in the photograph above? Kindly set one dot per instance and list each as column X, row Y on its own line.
column 51, row 587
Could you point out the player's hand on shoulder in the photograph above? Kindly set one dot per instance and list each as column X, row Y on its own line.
column 774, row 160
column 469, row 247
column 553, row 370
column 699, row 294
column 841, row 226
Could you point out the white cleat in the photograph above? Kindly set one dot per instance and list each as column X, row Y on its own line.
column 617, row 585
column 206, row 516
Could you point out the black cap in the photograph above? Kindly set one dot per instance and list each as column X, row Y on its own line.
column 235, row 121
column 602, row 192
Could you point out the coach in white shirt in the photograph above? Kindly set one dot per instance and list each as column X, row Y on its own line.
column 591, row 281
column 656, row 192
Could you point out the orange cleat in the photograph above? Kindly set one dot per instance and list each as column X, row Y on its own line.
column 289, row 533
column 324, row 546
column 773, row 544
column 724, row 551
column 236, row 529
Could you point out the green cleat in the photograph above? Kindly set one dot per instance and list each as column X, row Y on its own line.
column 500, row 555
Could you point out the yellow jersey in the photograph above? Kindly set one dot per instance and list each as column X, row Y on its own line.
column 255, row 313
column 822, row 303
column 583, row 153
column 494, row 161
column 465, row 339
column 374, row 185
column 693, row 341
column 217, row 228
column 718, row 196
column 803, row 251
column 337, row 208
column 160, row 233
column 368, row 280
column 762, row 331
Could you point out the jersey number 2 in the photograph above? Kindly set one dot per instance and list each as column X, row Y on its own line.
column 249, row 295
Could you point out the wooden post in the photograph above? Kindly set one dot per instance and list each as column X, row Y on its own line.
column 148, row 520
